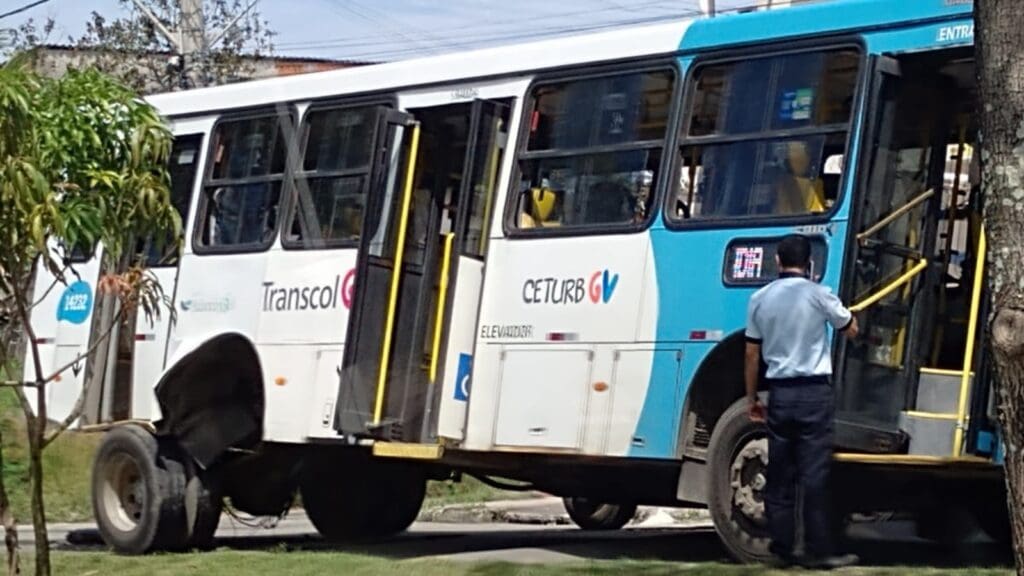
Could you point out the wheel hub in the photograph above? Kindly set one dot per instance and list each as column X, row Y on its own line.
column 748, row 478
column 124, row 493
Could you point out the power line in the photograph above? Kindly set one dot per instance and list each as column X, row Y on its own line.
column 478, row 26
column 485, row 38
column 534, row 34
column 28, row 6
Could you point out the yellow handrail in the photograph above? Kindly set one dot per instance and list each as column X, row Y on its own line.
column 892, row 287
column 896, row 214
column 442, row 293
column 972, row 332
column 389, row 322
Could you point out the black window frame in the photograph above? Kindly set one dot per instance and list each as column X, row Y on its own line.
column 297, row 169
column 510, row 218
column 186, row 216
column 852, row 127
column 278, row 111
column 818, row 238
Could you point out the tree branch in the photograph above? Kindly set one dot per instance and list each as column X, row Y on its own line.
column 17, row 384
column 59, row 428
column 83, row 355
column 56, row 280
column 79, row 407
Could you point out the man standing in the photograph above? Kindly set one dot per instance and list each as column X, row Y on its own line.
column 786, row 325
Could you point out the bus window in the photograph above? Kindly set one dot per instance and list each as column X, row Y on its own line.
column 739, row 157
column 243, row 190
column 182, row 169
column 331, row 187
column 594, row 151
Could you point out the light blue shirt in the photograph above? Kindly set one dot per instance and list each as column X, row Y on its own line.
column 788, row 318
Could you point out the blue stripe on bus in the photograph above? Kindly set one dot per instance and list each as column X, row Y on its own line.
column 691, row 297
column 813, row 19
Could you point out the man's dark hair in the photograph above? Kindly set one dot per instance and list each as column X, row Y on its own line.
column 794, row 251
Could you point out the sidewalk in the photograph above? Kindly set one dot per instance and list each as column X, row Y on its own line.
column 548, row 510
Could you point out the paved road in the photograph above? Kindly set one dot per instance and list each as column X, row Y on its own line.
column 878, row 544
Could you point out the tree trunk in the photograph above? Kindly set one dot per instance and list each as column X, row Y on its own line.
column 1000, row 41
column 9, row 525
column 36, row 433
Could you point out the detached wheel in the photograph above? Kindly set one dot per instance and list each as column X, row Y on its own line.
column 591, row 515
column 137, row 494
column 738, row 466
column 204, row 502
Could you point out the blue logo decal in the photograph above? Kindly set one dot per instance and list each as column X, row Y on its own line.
column 462, row 378
column 610, row 282
column 76, row 303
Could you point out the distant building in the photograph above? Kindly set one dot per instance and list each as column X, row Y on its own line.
column 159, row 68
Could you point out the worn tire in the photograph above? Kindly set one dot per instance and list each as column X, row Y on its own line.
column 137, row 493
column 354, row 497
column 591, row 515
column 742, row 533
column 203, row 485
column 399, row 492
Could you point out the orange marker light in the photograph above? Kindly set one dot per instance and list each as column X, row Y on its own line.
column 280, row 380
column 600, row 386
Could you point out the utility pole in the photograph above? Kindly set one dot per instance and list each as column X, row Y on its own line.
column 189, row 40
column 192, row 29
column 707, row 7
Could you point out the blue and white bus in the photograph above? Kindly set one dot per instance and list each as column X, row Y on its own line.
column 533, row 263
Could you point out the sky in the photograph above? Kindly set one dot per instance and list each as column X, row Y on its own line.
column 395, row 29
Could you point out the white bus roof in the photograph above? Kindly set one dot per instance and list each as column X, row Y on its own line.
column 619, row 44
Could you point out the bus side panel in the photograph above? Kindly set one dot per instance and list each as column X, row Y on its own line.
column 699, row 309
column 61, row 322
column 304, row 306
column 458, row 361
column 578, row 301
column 151, row 336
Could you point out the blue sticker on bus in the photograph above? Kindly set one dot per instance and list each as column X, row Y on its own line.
column 462, row 377
column 75, row 303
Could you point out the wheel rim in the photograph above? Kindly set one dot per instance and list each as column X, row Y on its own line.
column 123, row 493
column 747, row 481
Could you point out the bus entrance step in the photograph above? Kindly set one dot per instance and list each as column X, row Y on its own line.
column 938, row 390
column 931, row 433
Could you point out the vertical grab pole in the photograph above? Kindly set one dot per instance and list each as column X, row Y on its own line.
column 972, row 331
column 442, row 298
column 396, row 274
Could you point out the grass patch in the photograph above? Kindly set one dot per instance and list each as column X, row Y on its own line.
column 66, row 467
column 299, row 563
column 469, row 490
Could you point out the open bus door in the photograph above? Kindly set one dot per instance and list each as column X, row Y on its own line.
column 368, row 342
column 420, row 268
column 914, row 270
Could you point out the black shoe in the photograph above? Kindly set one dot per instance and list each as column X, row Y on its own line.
column 830, row 562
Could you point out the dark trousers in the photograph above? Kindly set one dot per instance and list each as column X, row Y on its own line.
column 800, row 414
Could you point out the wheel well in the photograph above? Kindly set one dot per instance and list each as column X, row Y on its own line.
column 213, row 400
column 717, row 383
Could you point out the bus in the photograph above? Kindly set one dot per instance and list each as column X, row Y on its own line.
column 531, row 264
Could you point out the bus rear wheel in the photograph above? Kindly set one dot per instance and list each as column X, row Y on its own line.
column 591, row 515
column 738, row 466
column 350, row 496
column 138, row 493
